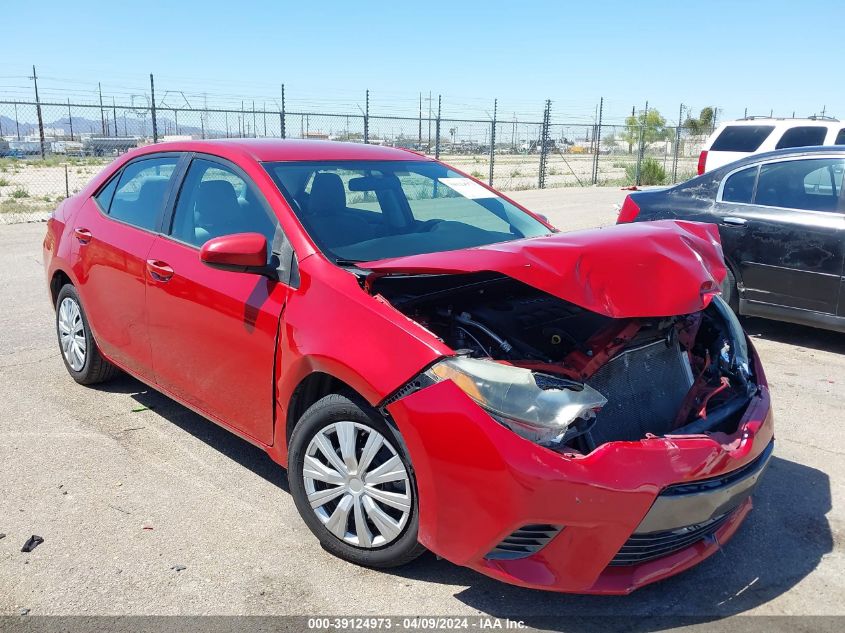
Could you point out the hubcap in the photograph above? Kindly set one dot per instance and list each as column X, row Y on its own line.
column 357, row 485
column 72, row 333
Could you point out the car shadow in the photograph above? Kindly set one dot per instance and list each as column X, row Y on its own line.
column 793, row 334
column 218, row 438
column 781, row 542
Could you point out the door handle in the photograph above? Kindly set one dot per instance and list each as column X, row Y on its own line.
column 159, row 270
column 734, row 221
column 83, row 235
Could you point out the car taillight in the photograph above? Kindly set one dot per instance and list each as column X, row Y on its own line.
column 702, row 160
column 628, row 212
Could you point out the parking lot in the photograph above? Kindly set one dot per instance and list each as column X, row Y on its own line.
column 126, row 487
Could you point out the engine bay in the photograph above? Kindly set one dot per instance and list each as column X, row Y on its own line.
column 681, row 374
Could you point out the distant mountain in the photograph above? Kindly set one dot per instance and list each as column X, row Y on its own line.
column 128, row 126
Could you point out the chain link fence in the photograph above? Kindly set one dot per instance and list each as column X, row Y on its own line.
column 49, row 150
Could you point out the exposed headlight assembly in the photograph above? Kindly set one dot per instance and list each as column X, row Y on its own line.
column 541, row 408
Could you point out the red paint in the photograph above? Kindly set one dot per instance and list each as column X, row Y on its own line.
column 613, row 271
column 242, row 249
column 235, row 346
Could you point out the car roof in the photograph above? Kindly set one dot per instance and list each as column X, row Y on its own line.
column 263, row 150
column 784, row 153
column 784, row 123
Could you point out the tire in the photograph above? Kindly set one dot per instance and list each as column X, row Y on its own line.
column 354, row 499
column 730, row 294
column 72, row 325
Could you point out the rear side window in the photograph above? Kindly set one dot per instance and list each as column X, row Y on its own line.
column 840, row 137
column 804, row 136
column 812, row 184
column 105, row 195
column 739, row 187
column 142, row 190
column 741, row 138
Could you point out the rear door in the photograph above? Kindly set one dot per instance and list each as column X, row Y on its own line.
column 735, row 142
column 213, row 332
column 783, row 227
column 114, row 231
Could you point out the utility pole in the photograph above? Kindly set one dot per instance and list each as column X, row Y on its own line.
column 153, row 94
column 102, row 114
column 437, row 130
column 419, row 132
column 282, row 115
column 367, row 118
column 492, row 142
column 38, row 111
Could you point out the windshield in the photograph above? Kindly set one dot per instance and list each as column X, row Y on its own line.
column 367, row 210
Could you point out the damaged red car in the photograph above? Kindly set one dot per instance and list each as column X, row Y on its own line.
column 437, row 367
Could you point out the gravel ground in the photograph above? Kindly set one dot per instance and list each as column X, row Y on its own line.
column 125, row 486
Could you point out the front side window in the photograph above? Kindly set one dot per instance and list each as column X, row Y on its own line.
column 739, row 187
column 142, row 190
column 804, row 136
column 215, row 201
column 811, row 184
column 367, row 210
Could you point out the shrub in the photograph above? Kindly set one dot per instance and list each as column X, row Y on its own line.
column 4, row 182
column 651, row 172
column 20, row 192
column 477, row 174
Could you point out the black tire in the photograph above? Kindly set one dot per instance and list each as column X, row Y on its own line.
column 95, row 369
column 349, row 407
column 730, row 294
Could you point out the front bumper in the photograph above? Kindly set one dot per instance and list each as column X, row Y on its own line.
column 479, row 483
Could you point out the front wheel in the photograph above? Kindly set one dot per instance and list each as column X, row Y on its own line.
column 353, row 484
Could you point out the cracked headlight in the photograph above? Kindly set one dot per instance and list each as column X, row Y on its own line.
column 539, row 407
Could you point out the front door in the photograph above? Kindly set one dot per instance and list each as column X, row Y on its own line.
column 788, row 240
column 213, row 332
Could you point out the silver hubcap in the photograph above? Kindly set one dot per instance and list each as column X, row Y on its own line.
column 357, row 485
column 72, row 333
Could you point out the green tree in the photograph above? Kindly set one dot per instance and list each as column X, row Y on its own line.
column 701, row 125
column 651, row 124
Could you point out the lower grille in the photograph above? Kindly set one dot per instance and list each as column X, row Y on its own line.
column 527, row 540
column 643, row 547
column 645, row 388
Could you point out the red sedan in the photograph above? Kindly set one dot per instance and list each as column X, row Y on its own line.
column 435, row 366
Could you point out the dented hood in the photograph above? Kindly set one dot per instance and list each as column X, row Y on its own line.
column 647, row 269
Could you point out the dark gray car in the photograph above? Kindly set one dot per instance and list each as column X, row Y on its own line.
column 781, row 218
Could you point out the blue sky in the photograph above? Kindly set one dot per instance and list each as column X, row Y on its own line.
column 779, row 55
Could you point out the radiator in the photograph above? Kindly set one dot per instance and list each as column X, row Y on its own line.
column 644, row 387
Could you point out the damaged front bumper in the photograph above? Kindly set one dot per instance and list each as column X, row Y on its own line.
column 623, row 516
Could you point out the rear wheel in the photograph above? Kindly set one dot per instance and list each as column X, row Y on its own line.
column 353, row 484
column 80, row 353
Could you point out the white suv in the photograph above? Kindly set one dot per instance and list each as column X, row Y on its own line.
column 733, row 140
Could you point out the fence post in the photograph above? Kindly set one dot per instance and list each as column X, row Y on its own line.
column 69, row 119
column 282, row 114
column 38, row 111
column 367, row 118
column 67, row 185
column 492, row 142
column 437, row 129
column 18, row 127
column 544, row 144
column 114, row 113
column 677, row 145
column 598, row 143
column 102, row 114
column 639, row 156
column 153, row 93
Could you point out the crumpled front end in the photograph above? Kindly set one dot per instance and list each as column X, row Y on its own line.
column 565, row 521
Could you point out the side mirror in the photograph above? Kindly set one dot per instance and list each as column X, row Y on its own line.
column 240, row 252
